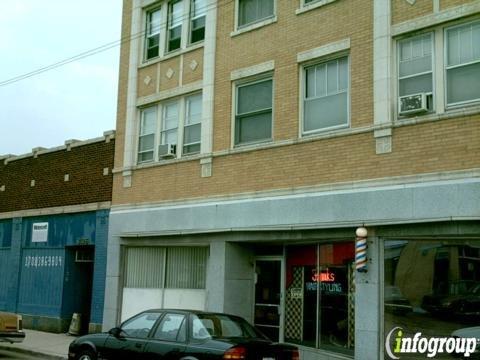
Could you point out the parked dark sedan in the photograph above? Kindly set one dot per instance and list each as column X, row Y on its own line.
column 181, row 334
column 464, row 306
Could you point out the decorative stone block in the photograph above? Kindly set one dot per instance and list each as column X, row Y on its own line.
column 193, row 65
column 383, row 145
column 169, row 73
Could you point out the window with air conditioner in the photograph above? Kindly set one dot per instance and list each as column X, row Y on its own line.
column 170, row 129
column 415, row 74
column 169, row 133
column 439, row 71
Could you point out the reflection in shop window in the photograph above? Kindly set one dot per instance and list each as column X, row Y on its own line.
column 320, row 296
column 432, row 287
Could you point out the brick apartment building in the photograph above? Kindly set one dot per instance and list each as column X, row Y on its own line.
column 54, row 209
column 255, row 136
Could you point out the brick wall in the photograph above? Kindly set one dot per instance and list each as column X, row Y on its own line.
column 86, row 184
column 432, row 147
column 437, row 146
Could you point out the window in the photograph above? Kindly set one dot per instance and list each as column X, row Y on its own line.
column 193, row 126
column 172, row 328
column 415, row 67
column 320, row 301
column 432, row 287
column 252, row 11
column 179, row 123
column 167, row 24
column 152, row 44
column 198, row 9
column 139, row 263
column 253, row 115
column 170, row 124
column 140, row 325
column 463, row 63
column 186, row 268
column 326, row 95
column 165, row 267
column 439, row 70
column 175, row 14
column 146, row 140
column 206, row 326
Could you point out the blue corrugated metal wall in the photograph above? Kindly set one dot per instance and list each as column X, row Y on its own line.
column 5, row 263
column 33, row 277
column 100, row 267
column 41, row 282
column 4, row 271
column 41, row 285
column 63, row 230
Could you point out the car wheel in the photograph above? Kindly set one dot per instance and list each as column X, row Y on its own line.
column 86, row 354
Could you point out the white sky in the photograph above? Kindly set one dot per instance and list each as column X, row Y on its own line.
column 75, row 101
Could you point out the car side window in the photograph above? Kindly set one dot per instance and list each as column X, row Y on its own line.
column 140, row 326
column 202, row 329
column 172, row 328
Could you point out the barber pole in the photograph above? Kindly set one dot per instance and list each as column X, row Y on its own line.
column 361, row 249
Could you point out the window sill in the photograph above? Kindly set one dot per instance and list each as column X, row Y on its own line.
column 254, row 26
column 151, row 164
column 171, row 54
column 253, row 144
column 315, row 5
column 448, row 114
column 329, row 130
column 305, row 139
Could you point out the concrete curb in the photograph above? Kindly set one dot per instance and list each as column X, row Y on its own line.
column 33, row 352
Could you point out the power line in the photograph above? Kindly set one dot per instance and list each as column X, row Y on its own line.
column 96, row 50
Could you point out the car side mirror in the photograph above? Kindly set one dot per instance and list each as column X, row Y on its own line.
column 116, row 331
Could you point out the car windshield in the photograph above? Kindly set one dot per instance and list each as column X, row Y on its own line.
column 207, row 326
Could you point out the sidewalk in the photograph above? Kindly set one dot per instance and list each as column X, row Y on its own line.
column 48, row 345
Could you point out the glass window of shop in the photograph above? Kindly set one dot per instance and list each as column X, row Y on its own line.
column 432, row 287
column 320, row 291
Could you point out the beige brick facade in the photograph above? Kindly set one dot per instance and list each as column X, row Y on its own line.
column 445, row 4
column 426, row 145
column 123, row 83
column 427, row 148
column 403, row 10
column 192, row 66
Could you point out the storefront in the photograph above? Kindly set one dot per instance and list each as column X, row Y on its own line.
column 287, row 264
column 306, row 296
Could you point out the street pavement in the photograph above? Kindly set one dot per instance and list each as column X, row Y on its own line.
column 38, row 345
column 11, row 355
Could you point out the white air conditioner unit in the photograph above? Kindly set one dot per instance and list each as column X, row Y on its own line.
column 166, row 151
column 412, row 104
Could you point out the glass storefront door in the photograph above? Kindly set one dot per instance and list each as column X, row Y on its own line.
column 268, row 296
